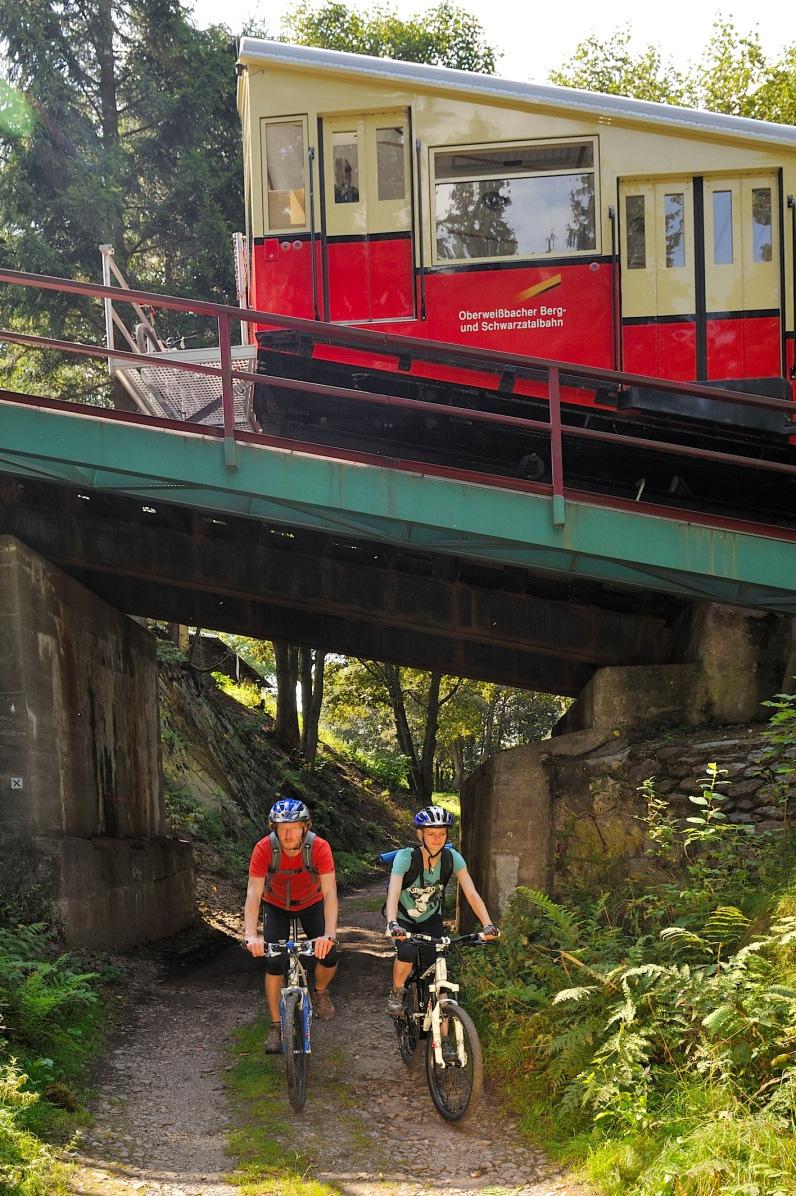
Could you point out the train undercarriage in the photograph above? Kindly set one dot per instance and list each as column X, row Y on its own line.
column 623, row 467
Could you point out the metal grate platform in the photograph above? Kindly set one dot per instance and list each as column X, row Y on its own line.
column 191, row 398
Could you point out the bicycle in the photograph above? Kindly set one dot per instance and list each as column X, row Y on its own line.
column 454, row 1060
column 295, row 1013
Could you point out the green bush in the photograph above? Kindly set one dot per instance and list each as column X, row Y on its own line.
column 28, row 1167
column 652, row 1034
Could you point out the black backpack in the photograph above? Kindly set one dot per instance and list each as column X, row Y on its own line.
column 276, row 860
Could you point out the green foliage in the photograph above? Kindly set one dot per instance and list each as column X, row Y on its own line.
column 95, row 148
column 28, row 1167
column 51, row 1026
column 444, row 35
column 245, row 692
column 664, row 1021
column 167, row 652
column 731, row 76
column 190, row 818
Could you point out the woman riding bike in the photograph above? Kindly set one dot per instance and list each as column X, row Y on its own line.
column 416, row 894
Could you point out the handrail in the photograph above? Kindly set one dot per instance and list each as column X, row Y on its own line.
column 393, row 345
column 483, row 359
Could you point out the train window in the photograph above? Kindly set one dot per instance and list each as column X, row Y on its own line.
column 476, row 163
column 484, row 209
column 346, row 167
column 674, row 226
column 284, row 153
column 722, row 228
column 761, row 224
column 636, row 232
column 390, row 163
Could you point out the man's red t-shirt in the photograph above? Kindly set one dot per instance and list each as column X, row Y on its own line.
column 303, row 887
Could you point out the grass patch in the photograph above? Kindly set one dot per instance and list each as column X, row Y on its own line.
column 265, row 1163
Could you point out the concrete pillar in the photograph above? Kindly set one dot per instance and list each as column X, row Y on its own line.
column 507, row 819
column 81, row 812
column 744, row 657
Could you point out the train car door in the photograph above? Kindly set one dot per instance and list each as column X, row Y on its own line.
column 658, row 278
column 367, row 217
column 742, row 277
column 700, row 282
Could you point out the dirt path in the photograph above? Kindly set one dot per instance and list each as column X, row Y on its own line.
column 162, row 1113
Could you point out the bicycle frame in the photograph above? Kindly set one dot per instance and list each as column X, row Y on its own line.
column 297, row 982
column 440, row 989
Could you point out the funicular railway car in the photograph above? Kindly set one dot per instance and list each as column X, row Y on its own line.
column 536, row 220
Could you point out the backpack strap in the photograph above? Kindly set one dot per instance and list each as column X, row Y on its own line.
column 276, row 854
column 306, row 852
column 415, row 869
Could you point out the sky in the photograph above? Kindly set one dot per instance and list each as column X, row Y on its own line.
column 537, row 37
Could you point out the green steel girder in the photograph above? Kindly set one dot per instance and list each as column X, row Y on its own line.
column 419, row 511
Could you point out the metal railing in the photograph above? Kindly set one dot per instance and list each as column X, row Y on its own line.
column 484, row 361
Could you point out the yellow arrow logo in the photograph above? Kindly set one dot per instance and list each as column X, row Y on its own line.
column 540, row 287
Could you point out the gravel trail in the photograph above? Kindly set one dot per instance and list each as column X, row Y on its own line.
column 162, row 1113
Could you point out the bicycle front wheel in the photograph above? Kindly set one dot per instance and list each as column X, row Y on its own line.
column 407, row 1028
column 456, row 1087
column 296, row 1061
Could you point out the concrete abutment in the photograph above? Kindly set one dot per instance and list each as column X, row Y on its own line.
column 540, row 813
column 81, row 809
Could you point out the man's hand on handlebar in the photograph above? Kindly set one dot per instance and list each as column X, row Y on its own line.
column 255, row 945
column 323, row 945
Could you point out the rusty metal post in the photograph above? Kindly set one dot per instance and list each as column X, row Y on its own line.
column 227, row 393
column 556, row 454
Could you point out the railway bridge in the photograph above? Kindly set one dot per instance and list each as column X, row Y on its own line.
column 198, row 516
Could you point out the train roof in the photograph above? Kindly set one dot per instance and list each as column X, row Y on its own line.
column 254, row 51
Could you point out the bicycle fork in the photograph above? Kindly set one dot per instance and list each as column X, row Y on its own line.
column 304, row 1012
column 433, row 1021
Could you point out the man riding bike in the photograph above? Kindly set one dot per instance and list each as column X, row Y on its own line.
column 292, row 872
column 416, row 893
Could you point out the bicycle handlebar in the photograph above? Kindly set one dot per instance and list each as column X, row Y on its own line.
column 286, row 946
column 448, row 940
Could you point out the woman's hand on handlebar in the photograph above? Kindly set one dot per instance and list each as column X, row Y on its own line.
column 396, row 931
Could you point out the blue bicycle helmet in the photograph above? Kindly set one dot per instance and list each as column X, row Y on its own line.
column 432, row 816
column 288, row 809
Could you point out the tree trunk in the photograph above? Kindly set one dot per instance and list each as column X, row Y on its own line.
column 103, row 46
column 392, row 678
column 311, row 702
column 286, row 727
column 430, row 736
column 457, row 752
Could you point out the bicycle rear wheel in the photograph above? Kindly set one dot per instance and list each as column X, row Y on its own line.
column 295, row 1059
column 455, row 1088
column 406, row 1026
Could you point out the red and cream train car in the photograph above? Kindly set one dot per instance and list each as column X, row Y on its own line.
column 530, row 219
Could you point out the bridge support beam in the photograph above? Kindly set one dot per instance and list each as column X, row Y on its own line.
column 81, row 812
column 733, row 660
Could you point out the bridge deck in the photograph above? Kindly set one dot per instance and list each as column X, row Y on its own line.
column 402, row 503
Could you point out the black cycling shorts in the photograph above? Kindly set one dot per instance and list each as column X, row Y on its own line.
column 407, row 952
column 276, row 925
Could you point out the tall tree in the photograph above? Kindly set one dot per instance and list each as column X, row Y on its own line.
column 286, row 727
column 131, row 139
column 444, row 35
column 732, row 74
column 311, row 673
